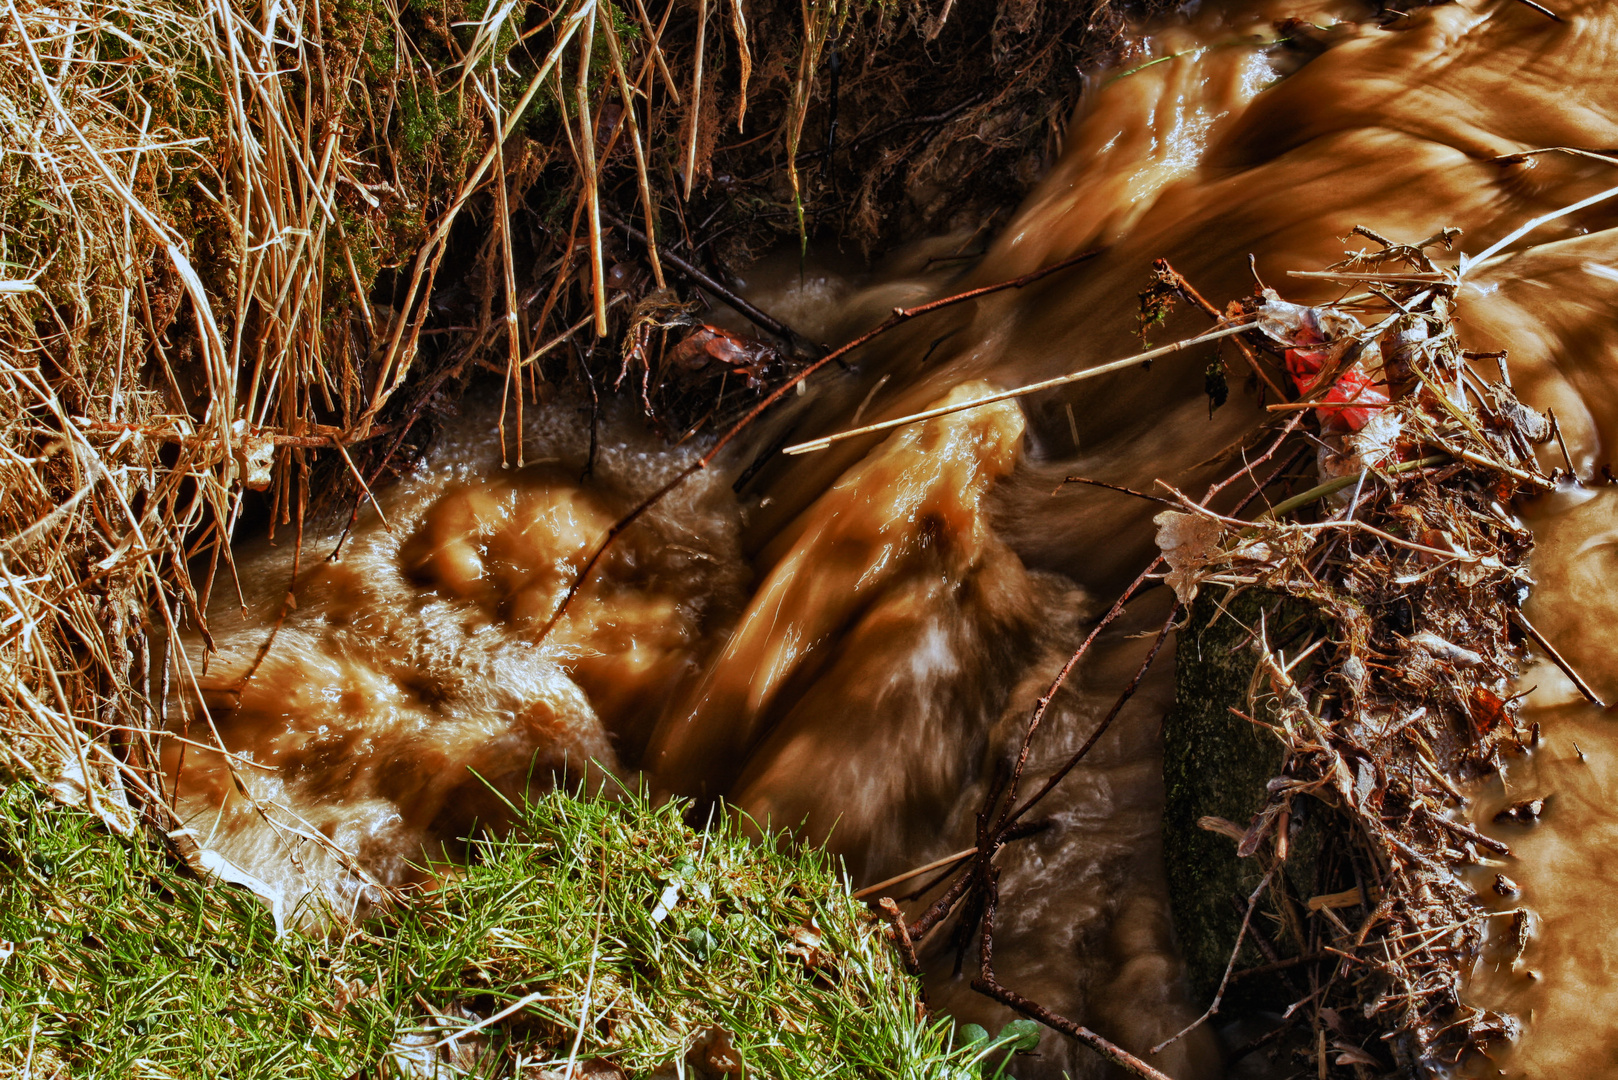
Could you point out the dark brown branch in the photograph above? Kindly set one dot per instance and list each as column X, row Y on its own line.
column 1180, row 285
column 981, row 871
column 1115, row 487
column 1261, row 486
column 899, row 315
column 1040, row 709
column 1106, row 722
column 1556, row 429
column 795, row 341
column 1466, row 832
column 1556, row 658
column 1274, row 966
column 1045, row 700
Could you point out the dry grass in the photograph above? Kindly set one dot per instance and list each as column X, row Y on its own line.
column 195, row 208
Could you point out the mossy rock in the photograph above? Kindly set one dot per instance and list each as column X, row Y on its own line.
column 1216, row 764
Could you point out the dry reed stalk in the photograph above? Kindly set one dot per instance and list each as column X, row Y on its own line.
column 191, row 202
column 130, row 426
column 591, row 178
column 694, row 113
column 615, row 53
column 821, row 22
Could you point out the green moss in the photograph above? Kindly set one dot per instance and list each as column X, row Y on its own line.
column 1216, row 764
column 424, row 115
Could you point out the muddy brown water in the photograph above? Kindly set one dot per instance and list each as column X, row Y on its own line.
column 852, row 646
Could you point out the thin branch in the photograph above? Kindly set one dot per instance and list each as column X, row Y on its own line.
column 1115, row 487
column 1106, row 722
column 1021, row 391
column 1556, row 658
column 947, row 860
column 1241, row 934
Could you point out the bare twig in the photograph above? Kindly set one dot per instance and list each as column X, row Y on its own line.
column 1174, row 279
column 1556, row 658
column 1241, row 935
column 1021, row 391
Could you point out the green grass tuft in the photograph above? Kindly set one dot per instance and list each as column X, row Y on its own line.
column 122, row 966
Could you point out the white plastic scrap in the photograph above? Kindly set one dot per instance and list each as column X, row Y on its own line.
column 256, row 455
column 214, row 865
column 1440, row 649
column 666, row 902
column 1295, row 326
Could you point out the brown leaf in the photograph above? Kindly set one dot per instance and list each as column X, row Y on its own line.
column 807, row 948
column 1190, row 545
column 1353, row 1055
column 714, row 351
column 1488, row 711
column 714, row 1052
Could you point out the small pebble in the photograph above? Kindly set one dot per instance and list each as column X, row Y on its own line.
column 1525, row 812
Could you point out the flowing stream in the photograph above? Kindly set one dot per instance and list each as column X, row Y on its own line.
column 851, row 645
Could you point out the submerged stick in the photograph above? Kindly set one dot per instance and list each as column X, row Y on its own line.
column 1556, row 658
column 1030, row 388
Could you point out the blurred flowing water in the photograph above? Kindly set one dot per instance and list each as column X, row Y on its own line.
column 850, row 645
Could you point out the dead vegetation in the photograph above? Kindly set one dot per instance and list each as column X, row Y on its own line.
column 1399, row 688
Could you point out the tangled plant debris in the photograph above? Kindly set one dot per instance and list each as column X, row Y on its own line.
column 1400, row 572
column 1397, row 686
